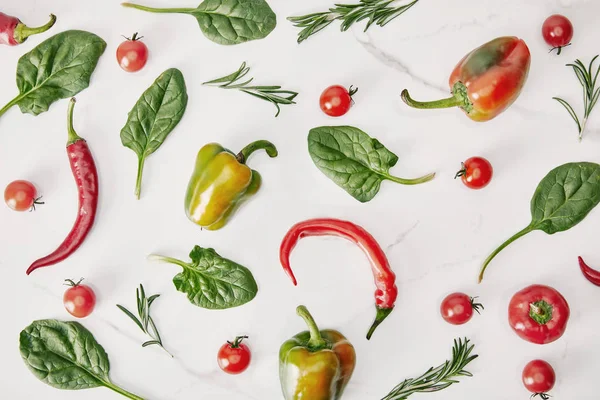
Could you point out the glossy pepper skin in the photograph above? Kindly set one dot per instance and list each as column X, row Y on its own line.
column 315, row 365
column 221, row 182
column 486, row 81
column 14, row 32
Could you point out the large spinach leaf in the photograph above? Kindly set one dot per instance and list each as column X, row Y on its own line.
column 354, row 161
column 153, row 117
column 562, row 200
column 227, row 22
column 211, row 281
column 57, row 68
column 65, row 355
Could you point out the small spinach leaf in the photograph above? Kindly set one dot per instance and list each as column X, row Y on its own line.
column 562, row 200
column 211, row 281
column 355, row 161
column 58, row 68
column 65, row 355
column 153, row 117
column 227, row 22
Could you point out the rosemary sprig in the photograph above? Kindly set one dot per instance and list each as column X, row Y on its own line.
column 379, row 12
column 436, row 379
column 145, row 322
column 590, row 93
column 272, row 94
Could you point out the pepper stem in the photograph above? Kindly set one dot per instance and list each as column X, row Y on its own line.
column 502, row 246
column 159, row 10
column 22, row 31
column 73, row 136
column 382, row 314
column 316, row 341
column 459, row 98
column 269, row 147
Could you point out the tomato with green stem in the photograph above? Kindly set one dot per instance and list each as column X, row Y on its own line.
column 132, row 54
column 557, row 31
column 79, row 300
column 21, row 196
column 457, row 308
column 336, row 100
column 539, row 378
column 476, row 173
column 234, row 357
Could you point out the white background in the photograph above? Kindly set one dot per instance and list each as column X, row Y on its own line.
column 435, row 235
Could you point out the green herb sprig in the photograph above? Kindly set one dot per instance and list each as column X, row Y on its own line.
column 145, row 322
column 379, row 12
column 272, row 94
column 436, row 379
column 590, row 93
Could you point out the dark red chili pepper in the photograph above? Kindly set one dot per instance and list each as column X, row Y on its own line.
column 86, row 177
column 14, row 32
column 385, row 279
column 590, row 274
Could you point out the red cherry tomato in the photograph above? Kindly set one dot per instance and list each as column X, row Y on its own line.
column 476, row 173
column 538, row 314
column 79, row 300
column 539, row 378
column 336, row 100
column 132, row 54
column 557, row 31
column 234, row 358
column 21, row 196
column 457, row 308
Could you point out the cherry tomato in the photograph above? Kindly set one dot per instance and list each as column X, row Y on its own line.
column 79, row 300
column 538, row 314
column 457, row 308
column 132, row 54
column 21, row 196
column 539, row 378
column 557, row 31
column 234, row 358
column 476, row 173
column 336, row 100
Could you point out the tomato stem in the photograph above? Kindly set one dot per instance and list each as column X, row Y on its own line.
column 72, row 283
column 540, row 312
column 462, row 172
column 237, row 341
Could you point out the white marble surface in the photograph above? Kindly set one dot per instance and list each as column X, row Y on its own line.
column 435, row 235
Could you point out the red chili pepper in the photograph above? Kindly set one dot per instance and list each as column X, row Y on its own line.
column 590, row 274
column 385, row 279
column 14, row 32
column 86, row 177
column 486, row 81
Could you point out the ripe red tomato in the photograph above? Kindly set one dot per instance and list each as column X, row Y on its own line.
column 457, row 308
column 557, row 31
column 234, row 358
column 476, row 173
column 79, row 300
column 336, row 100
column 132, row 54
column 538, row 314
column 539, row 378
column 21, row 196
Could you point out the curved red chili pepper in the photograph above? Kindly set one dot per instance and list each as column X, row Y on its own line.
column 590, row 274
column 86, row 177
column 385, row 279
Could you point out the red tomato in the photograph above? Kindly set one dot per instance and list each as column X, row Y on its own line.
column 476, row 173
column 539, row 377
column 79, row 300
column 457, row 308
column 21, row 196
column 557, row 31
column 336, row 100
column 538, row 314
column 132, row 54
column 234, row 358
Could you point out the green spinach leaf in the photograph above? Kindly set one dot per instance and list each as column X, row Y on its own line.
column 354, row 161
column 58, row 68
column 211, row 281
column 153, row 117
column 65, row 355
column 227, row 22
column 562, row 200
